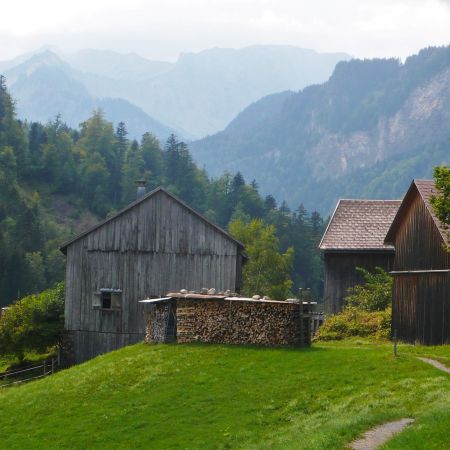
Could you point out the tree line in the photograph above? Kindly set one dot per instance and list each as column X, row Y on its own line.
column 45, row 167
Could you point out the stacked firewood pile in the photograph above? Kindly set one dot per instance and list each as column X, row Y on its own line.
column 240, row 322
column 157, row 319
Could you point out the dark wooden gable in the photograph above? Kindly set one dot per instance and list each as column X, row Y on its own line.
column 416, row 233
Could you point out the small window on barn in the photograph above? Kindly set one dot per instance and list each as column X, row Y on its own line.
column 108, row 299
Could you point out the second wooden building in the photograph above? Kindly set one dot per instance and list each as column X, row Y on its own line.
column 355, row 238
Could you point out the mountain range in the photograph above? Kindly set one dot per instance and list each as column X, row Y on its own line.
column 365, row 133
column 44, row 86
column 199, row 94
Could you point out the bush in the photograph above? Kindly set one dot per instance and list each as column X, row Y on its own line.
column 33, row 324
column 375, row 294
column 367, row 313
column 354, row 322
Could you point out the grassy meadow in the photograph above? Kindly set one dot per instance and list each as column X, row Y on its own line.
column 232, row 397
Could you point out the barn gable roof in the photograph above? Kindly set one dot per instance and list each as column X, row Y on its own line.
column 159, row 189
column 425, row 189
column 359, row 225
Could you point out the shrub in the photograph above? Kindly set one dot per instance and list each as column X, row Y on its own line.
column 33, row 324
column 375, row 294
column 367, row 313
column 353, row 322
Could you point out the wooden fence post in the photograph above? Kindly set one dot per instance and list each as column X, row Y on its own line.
column 395, row 342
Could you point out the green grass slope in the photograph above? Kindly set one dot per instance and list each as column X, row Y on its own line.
column 223, row 397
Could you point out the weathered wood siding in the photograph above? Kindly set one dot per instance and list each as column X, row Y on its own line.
column 421, row 301
column 157, row 246
column 421, row 308
column 418, row 243
column 341, row 274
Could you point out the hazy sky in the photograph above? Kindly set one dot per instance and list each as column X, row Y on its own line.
column 162, row 29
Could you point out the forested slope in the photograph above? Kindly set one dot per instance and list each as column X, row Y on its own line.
column 56, row 181
column 366, row 132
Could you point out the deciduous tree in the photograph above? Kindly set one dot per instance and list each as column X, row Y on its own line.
column 267, row 270
column 441, row 201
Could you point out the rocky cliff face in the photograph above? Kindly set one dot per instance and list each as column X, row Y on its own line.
column 422, row 119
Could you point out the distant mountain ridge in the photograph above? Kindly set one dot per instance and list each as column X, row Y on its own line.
column 366, row 132
column 197, row 95
column 202, row 92
column 116, row 66
column 46, row 86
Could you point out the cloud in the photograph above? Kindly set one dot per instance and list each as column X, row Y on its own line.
column 163, row 29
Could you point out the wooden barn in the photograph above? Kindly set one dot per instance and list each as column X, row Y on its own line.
column 421, row 293
column 156, row 244
column 355, row 238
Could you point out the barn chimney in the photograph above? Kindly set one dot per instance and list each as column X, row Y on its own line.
column 140, row 185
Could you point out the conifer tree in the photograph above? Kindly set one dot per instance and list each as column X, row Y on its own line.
column 121, row 146
column 132, row 171
column 153, row 159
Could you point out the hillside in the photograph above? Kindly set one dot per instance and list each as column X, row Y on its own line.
column 45, row 86
column 369, row 130
column 215, row 396
column 199, row 94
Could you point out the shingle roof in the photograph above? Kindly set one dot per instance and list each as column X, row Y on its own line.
column 360, row 225
column 426, row 189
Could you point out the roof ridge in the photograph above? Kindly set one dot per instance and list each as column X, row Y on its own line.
column 137, row 202
column 369, row 200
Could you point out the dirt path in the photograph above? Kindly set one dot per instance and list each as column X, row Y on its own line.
column 435, row 363
column 380, row 434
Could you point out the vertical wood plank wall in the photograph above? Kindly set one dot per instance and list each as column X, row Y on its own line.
column 418, row 243
column 421, row 301
column 157, row 246
column 341, row 274
column 421, row 308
